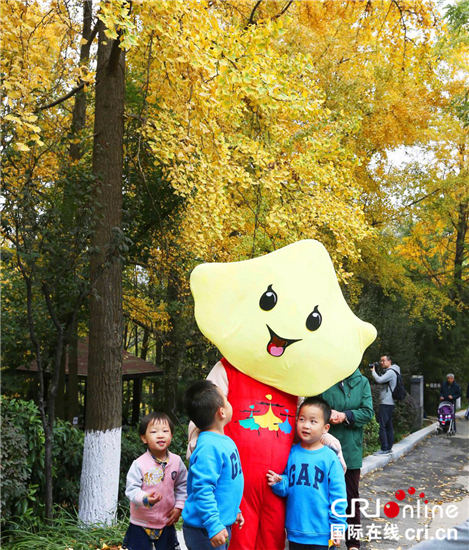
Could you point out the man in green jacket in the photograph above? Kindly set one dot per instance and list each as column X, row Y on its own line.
column 352, row 408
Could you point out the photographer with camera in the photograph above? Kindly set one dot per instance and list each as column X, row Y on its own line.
column 388, row 382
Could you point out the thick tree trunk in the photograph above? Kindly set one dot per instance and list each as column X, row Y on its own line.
column 101, row 457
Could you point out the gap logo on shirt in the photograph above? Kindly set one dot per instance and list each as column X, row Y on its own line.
column 305, row 476
column 235, row 464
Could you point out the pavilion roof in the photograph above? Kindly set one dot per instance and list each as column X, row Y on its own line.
column 132, row 366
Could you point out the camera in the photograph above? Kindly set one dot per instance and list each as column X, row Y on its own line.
column 374, row 365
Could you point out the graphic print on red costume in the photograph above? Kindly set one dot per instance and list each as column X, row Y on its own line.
column 268, row 422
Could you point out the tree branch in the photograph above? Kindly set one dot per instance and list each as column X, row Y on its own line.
column 62, row 99
column 251, row 17
column 288, row 4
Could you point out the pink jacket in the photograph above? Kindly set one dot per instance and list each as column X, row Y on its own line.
column 146, row 473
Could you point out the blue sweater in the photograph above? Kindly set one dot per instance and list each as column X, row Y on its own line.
column 312, row 481
column 214, row 485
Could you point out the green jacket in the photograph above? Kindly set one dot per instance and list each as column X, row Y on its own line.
column 353, row 397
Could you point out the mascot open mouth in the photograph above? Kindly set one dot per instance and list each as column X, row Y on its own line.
column 277, row 345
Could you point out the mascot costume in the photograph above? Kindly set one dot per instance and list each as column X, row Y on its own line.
column 284, row 330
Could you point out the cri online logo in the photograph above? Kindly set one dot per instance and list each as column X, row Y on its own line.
column 392, row 509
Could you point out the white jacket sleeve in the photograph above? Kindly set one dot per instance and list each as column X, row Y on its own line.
column 133, row 488
column 180, row 486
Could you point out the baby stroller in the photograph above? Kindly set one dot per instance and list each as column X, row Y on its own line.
column 446, row 418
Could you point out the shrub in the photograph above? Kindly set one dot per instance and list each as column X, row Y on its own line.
column 22, row 457
column 68, row 456
column 404, row 415
column 15, row 468
column 131, row 448
column 370, row 437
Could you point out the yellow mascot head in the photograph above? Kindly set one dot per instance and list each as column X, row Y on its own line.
column 281, row 318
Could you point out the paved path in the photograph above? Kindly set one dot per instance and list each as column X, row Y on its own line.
column 438, row 467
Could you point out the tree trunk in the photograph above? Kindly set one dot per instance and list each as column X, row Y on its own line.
column 75, row 151
column 459, row 257
column 145, row 344
column 136, row 400
column 461, row 228
column 79, row 108
column 172, row 355
column 101, row 456
column 60, row 401
column 72, row 390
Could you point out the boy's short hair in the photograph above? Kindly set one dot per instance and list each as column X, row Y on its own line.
column 154, row 418
column 201, row 401
column 319, row 402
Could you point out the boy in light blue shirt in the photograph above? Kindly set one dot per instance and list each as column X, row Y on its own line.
column 313, row 482
column 215, row 482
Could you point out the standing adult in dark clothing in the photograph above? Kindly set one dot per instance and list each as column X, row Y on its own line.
column 450, row 390
column 352, row 408
column 466, row 414
column 387, row 382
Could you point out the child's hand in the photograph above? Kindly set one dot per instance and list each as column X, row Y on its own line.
column 240, row 520
column 273, row 478
column 154, row 497
column 220, row 538
column 173, row 516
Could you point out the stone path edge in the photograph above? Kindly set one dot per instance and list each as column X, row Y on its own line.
column 372, row 463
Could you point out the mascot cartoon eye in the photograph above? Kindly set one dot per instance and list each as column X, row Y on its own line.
column 269, row 299
column 314, row 320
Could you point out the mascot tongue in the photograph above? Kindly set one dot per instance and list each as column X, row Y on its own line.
column 276, row 346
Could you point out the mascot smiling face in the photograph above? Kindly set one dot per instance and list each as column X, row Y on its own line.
column 281, row 318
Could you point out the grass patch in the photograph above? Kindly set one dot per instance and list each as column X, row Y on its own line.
column 63, row 533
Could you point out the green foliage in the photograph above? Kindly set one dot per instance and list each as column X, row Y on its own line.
column 404, row 416
column 68, row 455
column 22, row 456
column 23, row 449
column 131, row 448
column 370, row 437
column 458, row 17
column 15, row 468
column 63, row 532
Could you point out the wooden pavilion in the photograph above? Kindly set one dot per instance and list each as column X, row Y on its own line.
column 133, row 368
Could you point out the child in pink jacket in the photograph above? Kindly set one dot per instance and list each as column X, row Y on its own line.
column 156, row 488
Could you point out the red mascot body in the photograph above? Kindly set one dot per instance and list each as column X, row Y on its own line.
column 261, row 449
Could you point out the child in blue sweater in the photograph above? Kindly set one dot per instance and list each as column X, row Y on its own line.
column 313, row 480
column 215, row 482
